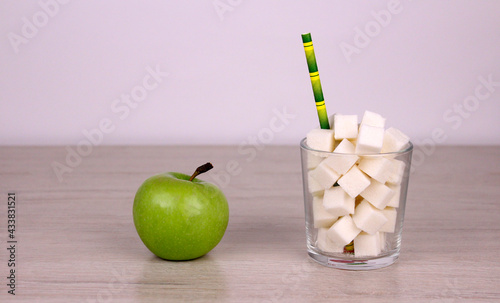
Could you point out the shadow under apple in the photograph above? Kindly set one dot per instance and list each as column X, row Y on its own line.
column 198, row 279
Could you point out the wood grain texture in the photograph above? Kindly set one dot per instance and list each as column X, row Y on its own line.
column 77, row 241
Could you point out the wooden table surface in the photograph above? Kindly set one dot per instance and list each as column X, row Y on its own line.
column 77, row 241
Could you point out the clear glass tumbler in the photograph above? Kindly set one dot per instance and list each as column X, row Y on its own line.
column 350, row 224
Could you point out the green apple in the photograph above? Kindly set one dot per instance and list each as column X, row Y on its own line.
column 180, row 217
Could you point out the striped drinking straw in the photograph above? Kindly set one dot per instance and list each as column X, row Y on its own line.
column 315, row 82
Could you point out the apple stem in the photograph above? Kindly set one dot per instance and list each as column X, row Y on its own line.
column 202, row 169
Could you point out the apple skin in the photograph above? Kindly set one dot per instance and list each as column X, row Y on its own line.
column 178, row 219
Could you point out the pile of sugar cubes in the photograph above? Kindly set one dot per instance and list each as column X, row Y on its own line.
column 355, row 196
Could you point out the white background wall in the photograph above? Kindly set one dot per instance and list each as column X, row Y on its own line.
column 230, row 70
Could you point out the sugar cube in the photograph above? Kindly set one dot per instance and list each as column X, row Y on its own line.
column 373, row 119
column 322, row 218
column 391, row 214
column 382, row 240
column 379, row 168
column 354, row 181
column 324, row 175
column 331, row 118
column 325, row 244
column 341, row 163
column 313, row 159
column 345, row 126
column 314, row 187
column 370, row 139
column 368, row 218
column 367, row 245
column 377, row 194
column 394, row 201
column 343, row 231
column 396, row 172
column 337, row 202
column 345, row 147
column 321, row 139
column 394, row 140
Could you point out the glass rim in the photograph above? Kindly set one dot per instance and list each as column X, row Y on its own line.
column 408, row 149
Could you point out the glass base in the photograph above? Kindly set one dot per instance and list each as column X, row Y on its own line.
column 344, row 262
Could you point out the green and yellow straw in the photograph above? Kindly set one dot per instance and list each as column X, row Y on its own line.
column 315, row 82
